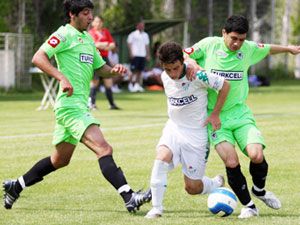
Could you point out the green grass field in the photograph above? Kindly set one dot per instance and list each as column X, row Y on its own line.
column 78, row 194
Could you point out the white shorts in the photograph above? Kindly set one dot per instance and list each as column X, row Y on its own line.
column 189, row 147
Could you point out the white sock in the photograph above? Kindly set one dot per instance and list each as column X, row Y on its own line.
column 158, row 182
column 125, row 188
column 22, row 182
column 209, row 184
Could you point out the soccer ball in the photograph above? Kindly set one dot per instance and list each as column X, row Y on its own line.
column 222, row 201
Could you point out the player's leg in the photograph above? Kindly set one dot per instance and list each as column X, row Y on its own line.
column 158, row 181
column 108, row 83
column 204, row 186
column 59, row 158
column 94, row 140
column 259, row 170
column 93, row 92
column 236, row 179
column 193, row 159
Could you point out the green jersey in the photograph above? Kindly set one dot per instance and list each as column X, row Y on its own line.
column 77, row 57
column 212, row 54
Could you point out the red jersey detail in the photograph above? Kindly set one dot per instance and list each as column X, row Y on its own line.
column 189, row 50
column 53, row 41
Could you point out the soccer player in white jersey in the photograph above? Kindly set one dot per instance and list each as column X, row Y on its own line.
column 184, row 139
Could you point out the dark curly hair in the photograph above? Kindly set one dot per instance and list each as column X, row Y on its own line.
column 170, row 52
column 75, row 7
column 236, row 23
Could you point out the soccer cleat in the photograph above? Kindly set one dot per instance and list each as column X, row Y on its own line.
column 220, row 180
column 138, row 199
column 248, row 212
column 270, row 200
column 154, row 213
column 10, row 194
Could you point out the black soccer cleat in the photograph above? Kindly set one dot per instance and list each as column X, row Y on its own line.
column 137, row 199
column 10, row 193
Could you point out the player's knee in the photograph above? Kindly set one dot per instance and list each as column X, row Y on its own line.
column 231, row 162
column 255, row 153
column 103, row 149
column 192, row 189
column 60, row 162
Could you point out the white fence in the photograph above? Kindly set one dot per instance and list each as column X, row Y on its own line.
column 15, row 57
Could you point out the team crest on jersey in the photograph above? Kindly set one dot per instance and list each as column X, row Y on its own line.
column 185, row 86
column 53, row 41
column 221, row 54
column 86, row 58
column 214, row 135
column 188, row 50
column 240, row 55
column 80, row 40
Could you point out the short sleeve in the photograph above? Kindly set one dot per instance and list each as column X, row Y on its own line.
column 197, row 51
column 56, row 43
column 259, row 51
column 209, row 80
column 98, row 60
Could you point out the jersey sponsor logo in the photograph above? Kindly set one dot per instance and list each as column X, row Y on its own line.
column 240, row 55
column 188, row 50
column 53, row 41
column 229, row 75
column 182, row 101
column 201, row 75
column 86, row 58
column 221, row 54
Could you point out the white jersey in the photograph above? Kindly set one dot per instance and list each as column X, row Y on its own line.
column 187, row 100
column 138, row 41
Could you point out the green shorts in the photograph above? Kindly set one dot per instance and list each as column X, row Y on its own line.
column 71, row 124
column 237, row 126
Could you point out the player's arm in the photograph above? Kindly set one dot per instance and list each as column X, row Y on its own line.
column 41, row 60
column 214, row 118
column 293, row 49
column 106, row 71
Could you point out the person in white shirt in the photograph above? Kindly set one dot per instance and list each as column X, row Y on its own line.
column 139, row 52
column 184, row 139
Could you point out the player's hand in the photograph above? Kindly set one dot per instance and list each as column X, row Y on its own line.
column 294, row 49
column 119, row 68
column 66, row 86
column 214, row 120
column 191, row 69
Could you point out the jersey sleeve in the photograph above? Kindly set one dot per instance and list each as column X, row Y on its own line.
column 98, row 60
column 258, row 51
column 56, row 43
column 197, row 50
column 209, row 80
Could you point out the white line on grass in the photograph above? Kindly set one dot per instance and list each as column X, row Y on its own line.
column 103, row 129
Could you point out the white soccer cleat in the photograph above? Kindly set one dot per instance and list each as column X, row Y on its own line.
column 219, row 179
column 247, row 212
column 270, row 200
column 154, row 213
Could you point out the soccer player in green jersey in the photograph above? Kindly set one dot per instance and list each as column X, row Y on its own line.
column 77, row 59
column 231, row 56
